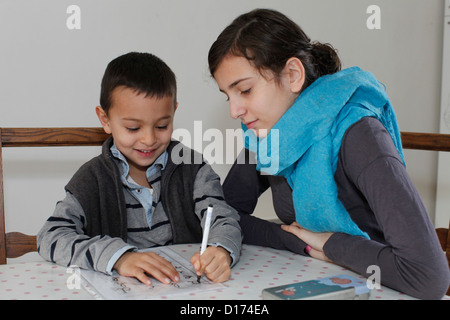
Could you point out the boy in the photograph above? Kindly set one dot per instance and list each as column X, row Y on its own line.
column 134, row 195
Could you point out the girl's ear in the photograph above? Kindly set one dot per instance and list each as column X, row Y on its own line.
column 296, row 73
column 104, row 120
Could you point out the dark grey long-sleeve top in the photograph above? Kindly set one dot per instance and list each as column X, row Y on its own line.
column 375, row 189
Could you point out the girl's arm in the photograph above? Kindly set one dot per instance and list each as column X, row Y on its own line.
column 409, row 258
column 242, row 188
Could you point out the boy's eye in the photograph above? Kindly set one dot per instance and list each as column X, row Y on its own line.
column 133, row 129
column 162, row 127
column 246, row 91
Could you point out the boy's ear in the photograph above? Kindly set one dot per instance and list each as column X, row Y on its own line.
column 176, row 107
column 103, row 117
column 296, row 73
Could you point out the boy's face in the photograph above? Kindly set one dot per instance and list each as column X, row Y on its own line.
column 141, row 126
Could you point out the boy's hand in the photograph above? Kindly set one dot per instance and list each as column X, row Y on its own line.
column 141, row 264
column 215, row 262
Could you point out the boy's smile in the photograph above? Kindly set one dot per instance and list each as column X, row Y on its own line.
column 141, row 127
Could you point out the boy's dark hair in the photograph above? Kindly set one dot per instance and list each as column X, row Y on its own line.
column 143, row 72
column 267, row 38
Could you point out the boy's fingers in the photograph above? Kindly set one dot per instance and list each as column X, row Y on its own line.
column 217, row 271
column 195, row 260
column 160, row 269
column 143, row 278
column 205, row 261
column 160, row 276
column 216, row 264
column 201, row 262
column 220, row 275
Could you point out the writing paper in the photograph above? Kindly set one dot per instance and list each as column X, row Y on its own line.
column 117, row 287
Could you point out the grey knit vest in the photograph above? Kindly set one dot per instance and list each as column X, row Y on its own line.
column 98, row 188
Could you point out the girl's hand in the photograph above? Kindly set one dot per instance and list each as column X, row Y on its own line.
column 316, row 240
column 214, row 262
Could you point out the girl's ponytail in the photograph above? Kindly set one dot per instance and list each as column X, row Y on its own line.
column 325, row 58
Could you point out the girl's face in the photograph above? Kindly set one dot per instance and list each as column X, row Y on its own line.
column 259, row 101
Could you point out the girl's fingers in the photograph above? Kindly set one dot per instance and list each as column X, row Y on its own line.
column 295, row 230
column 314, row 239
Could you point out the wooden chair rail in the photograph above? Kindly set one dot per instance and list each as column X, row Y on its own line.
column 18, row 244
column 52, row 137
column 426, row 141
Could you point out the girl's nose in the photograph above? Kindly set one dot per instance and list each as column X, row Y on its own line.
column 236, row 110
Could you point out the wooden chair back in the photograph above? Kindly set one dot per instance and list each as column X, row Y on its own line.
column 16, row 244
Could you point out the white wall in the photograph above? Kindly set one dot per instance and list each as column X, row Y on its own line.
column 50, row 75
column 442, row 213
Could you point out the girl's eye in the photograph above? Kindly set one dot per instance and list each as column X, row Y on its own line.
column 246, row 91
column 132, row 129
column 162, row 127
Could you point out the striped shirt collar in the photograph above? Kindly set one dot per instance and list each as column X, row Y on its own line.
column 158, row 165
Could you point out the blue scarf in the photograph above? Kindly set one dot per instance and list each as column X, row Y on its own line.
column 303, row 145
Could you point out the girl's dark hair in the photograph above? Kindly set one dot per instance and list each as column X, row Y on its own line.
column 143, row 72
column 268, row 39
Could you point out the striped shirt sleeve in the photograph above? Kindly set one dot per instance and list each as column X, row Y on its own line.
column 62, row 239
column 225, row 230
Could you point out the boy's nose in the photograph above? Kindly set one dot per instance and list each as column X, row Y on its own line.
column 148, row 138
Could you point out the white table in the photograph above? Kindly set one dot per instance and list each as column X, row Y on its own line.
column 257, row 269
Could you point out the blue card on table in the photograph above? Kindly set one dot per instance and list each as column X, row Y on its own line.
column 341, row 287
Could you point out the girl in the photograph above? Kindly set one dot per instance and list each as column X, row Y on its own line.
column 339, row 181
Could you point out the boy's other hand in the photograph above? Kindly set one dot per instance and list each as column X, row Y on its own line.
column 214, row 262
column 141, row 264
